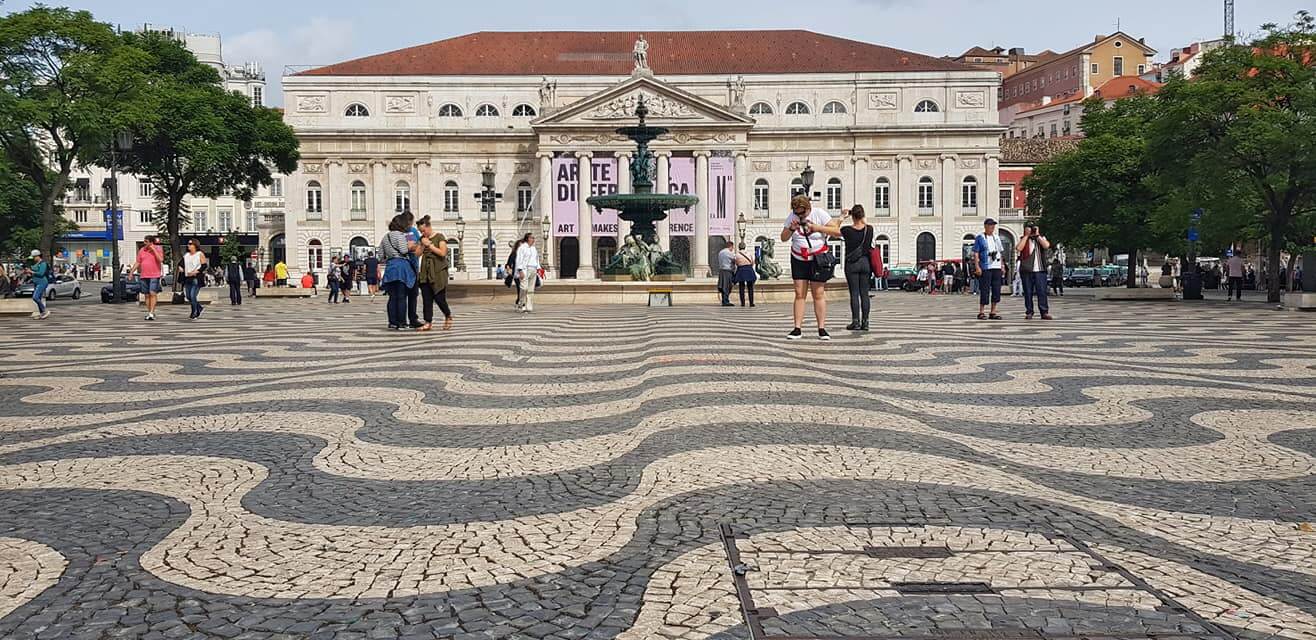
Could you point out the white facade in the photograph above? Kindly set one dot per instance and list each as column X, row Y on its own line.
column 88, row 193
column 927, row 138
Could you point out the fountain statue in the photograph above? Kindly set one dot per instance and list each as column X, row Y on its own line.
column 641, row 258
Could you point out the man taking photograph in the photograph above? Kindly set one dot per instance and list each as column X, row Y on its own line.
column 1032, row 270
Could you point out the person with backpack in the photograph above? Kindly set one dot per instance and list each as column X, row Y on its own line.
column 812, row 263
column 194, row 276
column 233, row 274
column 335, row 277
column 249, row 275
column 511, row 278
column 745, row 276
column 858, row 237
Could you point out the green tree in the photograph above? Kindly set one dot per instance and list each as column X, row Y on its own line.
column 232, row 250
column 63, row 78
column 1247, row 121
column 20, row 213
column 1103, row 193
column 193, row 138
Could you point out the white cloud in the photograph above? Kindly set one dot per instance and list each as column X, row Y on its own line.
column 318, row 42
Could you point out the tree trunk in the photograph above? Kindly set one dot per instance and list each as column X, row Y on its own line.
column 1273, row 264
column 175, row 248
column 50, row 215
column 1132, row 276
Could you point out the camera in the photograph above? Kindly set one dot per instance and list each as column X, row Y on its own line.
column 994, row 255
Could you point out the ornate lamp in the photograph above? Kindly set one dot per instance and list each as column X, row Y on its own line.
column 461, row 236
column 806, row 180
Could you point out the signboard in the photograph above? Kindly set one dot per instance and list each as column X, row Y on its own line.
column 721, row 204
column 566, row 196
column 681, row 179
column 1192, row 234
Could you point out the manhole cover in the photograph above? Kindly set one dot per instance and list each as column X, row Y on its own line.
column 924, row 581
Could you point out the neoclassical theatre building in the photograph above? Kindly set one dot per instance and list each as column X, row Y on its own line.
column 914, row 139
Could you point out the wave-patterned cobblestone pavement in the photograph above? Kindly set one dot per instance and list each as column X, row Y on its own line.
column 288, row 469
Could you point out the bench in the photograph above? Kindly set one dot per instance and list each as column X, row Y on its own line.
column 283, row 292
column 17, row 306
column 1300, row 301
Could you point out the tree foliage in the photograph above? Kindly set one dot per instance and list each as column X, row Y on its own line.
column 1104, row 192
column 63, row 79
column 1243, row 129
column 193, row 138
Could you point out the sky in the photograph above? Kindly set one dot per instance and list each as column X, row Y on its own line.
column 300, row 33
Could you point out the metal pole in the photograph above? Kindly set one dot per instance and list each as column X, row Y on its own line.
column 487, row 204
column 116, row 281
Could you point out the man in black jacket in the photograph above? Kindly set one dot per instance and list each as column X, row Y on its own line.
column 249, row 274
column 233, row 275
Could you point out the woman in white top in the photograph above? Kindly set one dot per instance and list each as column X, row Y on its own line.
column 527, row 270
column 808, row 229
column 194, row 268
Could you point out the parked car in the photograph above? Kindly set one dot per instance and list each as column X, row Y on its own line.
column 1081, row 277
column 1112, row 275
column 900, row 278
column 132, row 287
column 63, row 286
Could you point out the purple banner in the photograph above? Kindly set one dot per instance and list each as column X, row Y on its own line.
column 566, row 196
column 682, row 180
column 721, row 205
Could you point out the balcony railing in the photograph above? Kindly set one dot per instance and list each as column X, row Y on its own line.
column 1012, row 214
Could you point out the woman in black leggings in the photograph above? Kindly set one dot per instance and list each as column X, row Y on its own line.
column 858, row 238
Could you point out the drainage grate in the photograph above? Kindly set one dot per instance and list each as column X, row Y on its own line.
column 925, row 593
column 919, row 588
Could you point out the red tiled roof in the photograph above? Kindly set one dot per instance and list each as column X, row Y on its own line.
column 1125, row 86
column 565, row 53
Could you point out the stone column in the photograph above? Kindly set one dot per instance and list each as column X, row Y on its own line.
column 742, row 197
column 381, row 186
column 584, row 226
column 422, row 191
column 544, row 207
column 863, row 186
column 950, row 207
column 903, row 202
column 336, row 206
column 989, row 203
column 624, row 186
column 662, row 182
column 699, row 253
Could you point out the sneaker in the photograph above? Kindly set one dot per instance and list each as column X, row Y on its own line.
column 44, row 315
column 1046, row 316
column 823, row 335
column 148, row 316
column 795, row 334
column 853, row 326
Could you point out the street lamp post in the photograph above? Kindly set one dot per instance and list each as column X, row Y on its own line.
column 488, row 199
column 461, row 236
column 740, row 228
column 546, row 226
column 806, row 180
column 122, row 141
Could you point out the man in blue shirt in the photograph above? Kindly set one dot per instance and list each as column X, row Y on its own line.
column 988, row 267
column 40, row 274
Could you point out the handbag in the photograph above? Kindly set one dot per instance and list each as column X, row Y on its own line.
column 875, row 260
column 824, row 263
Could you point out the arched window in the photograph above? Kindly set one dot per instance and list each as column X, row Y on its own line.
column 359, row 248
column 314, row 255
column 314, row 198
column 450, row 197
column 486, row 111
column 925, row 196
column 882, row 197
column 834, row 107
column 761, row 197
column 966, row 250
column 760, row 109
column 358, row 200
column 524, row 197
column 356, row 110
column 797, row 187
column 926, row 106
column 969, row 195
column 523, row 111
column 926, row 248
column 884, row 243
column 450, row 111
column 401, row 197
column 834, row 196
column 797, row 109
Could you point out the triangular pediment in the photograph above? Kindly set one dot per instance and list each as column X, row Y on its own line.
column 668, row 106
